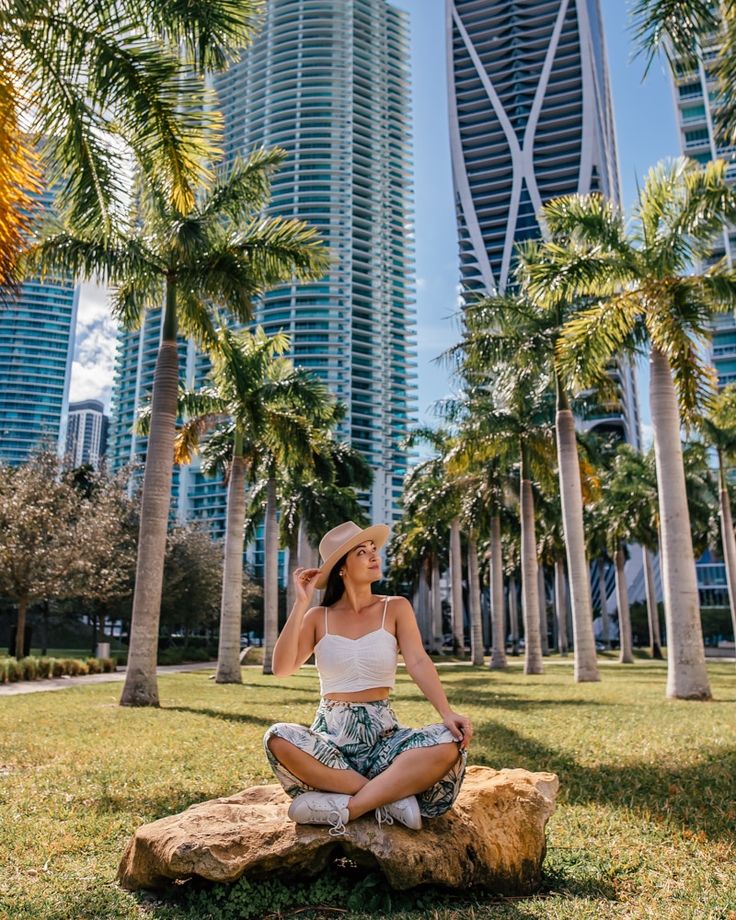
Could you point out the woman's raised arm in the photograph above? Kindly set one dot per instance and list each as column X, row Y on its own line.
column 296, row 642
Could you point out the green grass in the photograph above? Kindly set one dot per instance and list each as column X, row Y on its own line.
column 644, row 826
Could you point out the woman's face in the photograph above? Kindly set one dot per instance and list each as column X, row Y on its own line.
column 363, row 564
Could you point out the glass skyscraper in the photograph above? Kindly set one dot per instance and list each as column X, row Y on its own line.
column 86, row 435
column 328, row 81
column 695, row 92
column 531, row 118
column 37, row 327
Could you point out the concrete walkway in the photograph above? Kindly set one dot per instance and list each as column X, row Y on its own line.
column 61, row 683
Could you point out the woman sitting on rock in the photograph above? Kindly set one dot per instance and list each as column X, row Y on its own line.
column 356, row 757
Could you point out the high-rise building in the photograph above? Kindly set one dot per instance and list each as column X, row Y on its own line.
column 37, row 327
column 327, row 81
column 86, row 433
column 695, row 91
column 531, row 118
column 696, row 96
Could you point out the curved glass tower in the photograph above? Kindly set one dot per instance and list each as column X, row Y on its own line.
column 531, row 118
column 328, row 81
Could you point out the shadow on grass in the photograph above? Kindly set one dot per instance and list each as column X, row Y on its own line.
column 695, row 797
column 501, row 700
column 241, row 717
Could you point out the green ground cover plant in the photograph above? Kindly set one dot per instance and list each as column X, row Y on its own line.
column 34, row 667
column 644, row 826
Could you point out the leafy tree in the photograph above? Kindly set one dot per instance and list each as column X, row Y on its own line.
column 37, row 511
column 642, row 294
column 220, row 251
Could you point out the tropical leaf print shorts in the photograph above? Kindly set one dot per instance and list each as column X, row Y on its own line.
column 365, row 737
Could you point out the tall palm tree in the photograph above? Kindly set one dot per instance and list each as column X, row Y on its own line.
column 511, row 332
column 642, row 293
column 718, row 428
column 277, row 415
column 223, row 250
column 92, row 83
column 312, row 505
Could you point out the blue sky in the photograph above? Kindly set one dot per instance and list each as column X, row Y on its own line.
column 645, row 120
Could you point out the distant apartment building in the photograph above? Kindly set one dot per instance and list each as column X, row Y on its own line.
column 531, row 118
column 327, row 81
column 86, row 433
column 37, row 331
column 695, row 92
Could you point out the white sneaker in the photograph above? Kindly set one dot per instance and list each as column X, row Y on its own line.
column 405, row 811
column 321, row 808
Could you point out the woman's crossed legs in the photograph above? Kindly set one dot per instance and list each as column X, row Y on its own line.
column 410, row 773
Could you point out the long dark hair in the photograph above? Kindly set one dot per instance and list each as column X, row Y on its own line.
column 335, row 585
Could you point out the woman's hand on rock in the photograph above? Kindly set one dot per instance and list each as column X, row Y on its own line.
column 461, row 728
column 304, row 580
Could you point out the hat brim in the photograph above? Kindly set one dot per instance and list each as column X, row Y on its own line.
column 378, row 533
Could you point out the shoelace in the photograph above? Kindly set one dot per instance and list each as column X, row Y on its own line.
column 337, row 827
column 383, row 817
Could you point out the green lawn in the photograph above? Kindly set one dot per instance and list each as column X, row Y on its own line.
column 644, row 826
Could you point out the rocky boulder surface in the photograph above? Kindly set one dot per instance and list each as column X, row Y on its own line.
column 494, row 838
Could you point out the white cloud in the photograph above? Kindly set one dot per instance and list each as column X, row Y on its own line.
column 647, row 435
column 94, row 353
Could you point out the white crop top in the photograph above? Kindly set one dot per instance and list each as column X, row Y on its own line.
column 347, row 665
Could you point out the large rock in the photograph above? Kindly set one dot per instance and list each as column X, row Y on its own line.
column 493, row 837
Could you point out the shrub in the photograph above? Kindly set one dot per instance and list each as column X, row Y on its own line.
column 3, row 672
column 57, row 667
column 93, row 666
column 28, row 668
column 107, row 665
column 13, row 670
column 43, row 667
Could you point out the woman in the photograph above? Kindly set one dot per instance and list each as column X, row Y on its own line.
column 356, row 758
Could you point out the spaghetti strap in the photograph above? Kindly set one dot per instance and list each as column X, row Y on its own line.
column 385, row 605
column 327, row 632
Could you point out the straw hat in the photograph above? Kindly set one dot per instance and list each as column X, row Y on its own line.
column 341, row 539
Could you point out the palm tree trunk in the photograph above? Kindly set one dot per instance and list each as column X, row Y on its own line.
column 423, row 603
column 529, row 580
column 561, row 607
column 513, row 616
column 498, row 630
column 622, row 602
column 476, row 623
column 603, row 594
column 292, row 567
column 141, row 688
column 655, row 643
column 571, row 498
column 687, row 676
column 543, row 612
column 231, row 608
column 437, row 628
column 728, row 540
column 270, row 578
column 20, row 632
column 456, row 585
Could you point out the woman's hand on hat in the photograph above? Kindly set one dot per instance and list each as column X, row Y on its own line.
column 304, row 580
column 461, row 728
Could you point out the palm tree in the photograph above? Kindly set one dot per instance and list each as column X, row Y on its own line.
column 89, row 84
column 641, row 293
column 222, row 250
column 421, row 537
column 274, row 411
column 718, row 428
column 517, row 422
column 680, row 29
column 312, row 505
column 511, row 332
